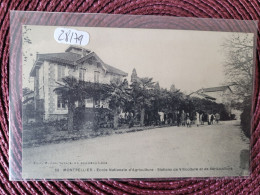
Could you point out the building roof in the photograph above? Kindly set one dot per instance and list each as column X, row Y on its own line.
column 214, row 89
column 80, row 49
column 74, row 59
column 115, row 70
column 65, row 57
column 202, row 92
column 202, row 95
column 207, row 96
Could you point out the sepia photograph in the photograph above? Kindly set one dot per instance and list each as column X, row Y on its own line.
column 135, row 103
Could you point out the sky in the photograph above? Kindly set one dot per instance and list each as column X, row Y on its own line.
column 190, row 60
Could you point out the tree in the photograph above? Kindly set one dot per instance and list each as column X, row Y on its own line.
column 239, row 64
column 26, row 90
column 28, row 111
column 172, row 88
column 134, row 76
column 118, row 97
column 73, row 90
column 70, row 92
column 26, row 42
column 176, row 99
column 142, row 95
column 96, row 91
column 28, row 105
column 239, row 71
column 153, row 117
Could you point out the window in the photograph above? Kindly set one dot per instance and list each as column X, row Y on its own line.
column 96, row 77
column 82, row 74
column 89, row 101
column 61, row 103
column 61, row 72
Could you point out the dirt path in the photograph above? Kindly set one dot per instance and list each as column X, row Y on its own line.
column 165, row 152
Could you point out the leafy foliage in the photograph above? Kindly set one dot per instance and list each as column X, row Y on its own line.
column 239, row 64
column 142, row 92
column 72, row 90
column 118, row 97
column 246, row 121
column 118, row 94
column 239, row 71
column 142, row 100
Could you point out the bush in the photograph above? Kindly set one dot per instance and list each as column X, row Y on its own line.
column 233, row 117
column 246, row 120
column 83, row 118
column 224, row 116
column 60, row 125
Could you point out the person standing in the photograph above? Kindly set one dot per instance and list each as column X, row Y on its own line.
column 211, row 119
column 131, row 120
column 208, row 119
column 201, row 118
column 175, row 118
column 183, row 116
column 188, row 121
column 178, row 118
column 197, row 119
column 161, row 114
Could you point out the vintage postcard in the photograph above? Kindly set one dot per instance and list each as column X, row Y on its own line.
column 135, row 103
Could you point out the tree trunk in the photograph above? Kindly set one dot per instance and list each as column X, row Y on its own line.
column 95, row 119
column 71, row 109
column 115, row 119
column 142, row 117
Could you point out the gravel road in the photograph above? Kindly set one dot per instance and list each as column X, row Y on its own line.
column 208, row 150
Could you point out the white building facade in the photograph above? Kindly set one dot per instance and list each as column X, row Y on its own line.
column 220, row 95
column 49, row 69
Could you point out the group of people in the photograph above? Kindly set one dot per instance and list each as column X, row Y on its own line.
column 198, row 118
column 178, row 118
